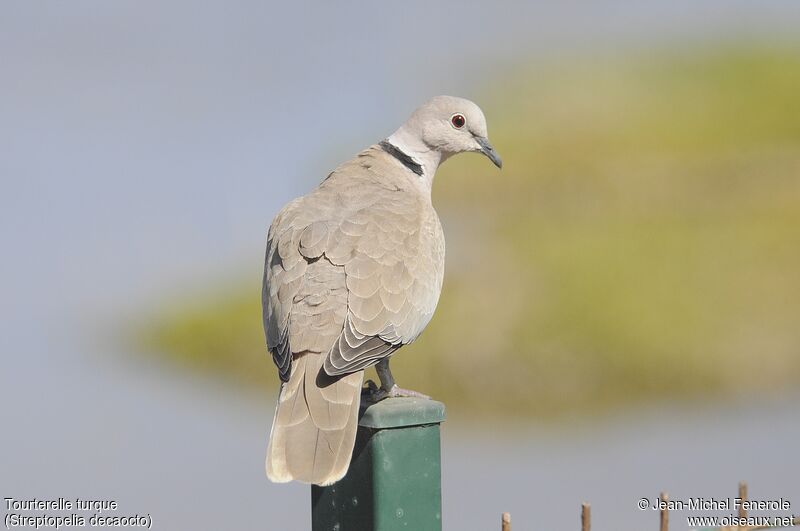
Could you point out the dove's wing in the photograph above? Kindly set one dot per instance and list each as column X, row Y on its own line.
column 380, row 237
column 391, row 246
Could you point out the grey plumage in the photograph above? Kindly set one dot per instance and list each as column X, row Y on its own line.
column 353, row 271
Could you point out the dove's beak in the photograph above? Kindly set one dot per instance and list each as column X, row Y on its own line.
column 488, row 150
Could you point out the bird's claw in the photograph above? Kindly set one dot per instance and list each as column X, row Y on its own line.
column 377, row 394
column 399, row 391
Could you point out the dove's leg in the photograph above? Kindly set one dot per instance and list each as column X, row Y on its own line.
column 388, row 387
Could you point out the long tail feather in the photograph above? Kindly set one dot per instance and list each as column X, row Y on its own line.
column 314, row 428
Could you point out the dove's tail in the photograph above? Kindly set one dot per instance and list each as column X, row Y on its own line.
column 314, row 429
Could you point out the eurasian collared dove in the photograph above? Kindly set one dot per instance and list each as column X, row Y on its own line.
column 353, row 272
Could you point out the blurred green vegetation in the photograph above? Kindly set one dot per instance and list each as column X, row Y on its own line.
column 641, row 243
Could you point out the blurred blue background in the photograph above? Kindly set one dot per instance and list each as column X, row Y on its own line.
column 145, row 147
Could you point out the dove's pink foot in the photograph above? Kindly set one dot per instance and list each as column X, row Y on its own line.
column 388, row 388
column 376, row 394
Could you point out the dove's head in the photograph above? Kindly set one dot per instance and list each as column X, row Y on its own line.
column 445, row 126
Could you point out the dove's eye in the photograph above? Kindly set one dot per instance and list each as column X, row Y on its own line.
column 458, row 121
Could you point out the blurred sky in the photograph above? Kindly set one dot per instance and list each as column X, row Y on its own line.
column 145, row 147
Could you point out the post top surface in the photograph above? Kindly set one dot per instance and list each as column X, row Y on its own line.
column 400, row 412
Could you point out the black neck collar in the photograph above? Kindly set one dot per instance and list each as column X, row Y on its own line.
column 403, row 157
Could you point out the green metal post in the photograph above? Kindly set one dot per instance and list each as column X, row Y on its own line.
column 395, row 479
